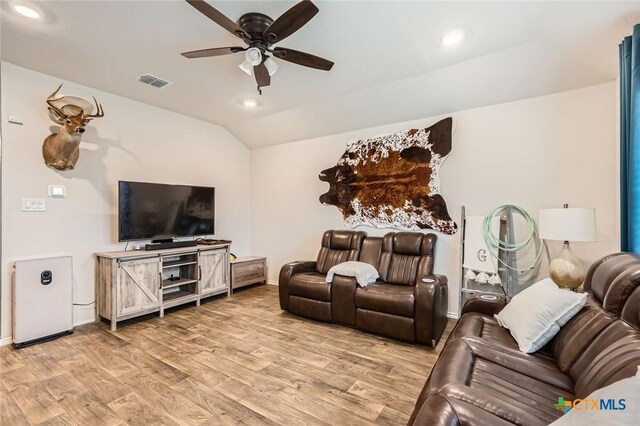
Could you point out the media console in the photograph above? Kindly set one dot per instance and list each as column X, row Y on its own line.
column 135, row 283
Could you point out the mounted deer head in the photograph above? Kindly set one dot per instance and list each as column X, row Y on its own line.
column 61, row 150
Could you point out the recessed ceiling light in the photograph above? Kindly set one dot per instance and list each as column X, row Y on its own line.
column 250, row 103
column 452, row 38
column 26, row 11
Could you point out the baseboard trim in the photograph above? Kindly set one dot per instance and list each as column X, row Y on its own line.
column 272, row 282
column 84, row 321
column 8, row 340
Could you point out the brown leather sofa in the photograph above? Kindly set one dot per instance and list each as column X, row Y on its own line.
column 408, row 302
column 481, row 378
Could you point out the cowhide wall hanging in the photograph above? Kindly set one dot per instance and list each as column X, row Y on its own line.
column 392, row 181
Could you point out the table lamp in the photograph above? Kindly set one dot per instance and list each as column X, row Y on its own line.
column 567, row 224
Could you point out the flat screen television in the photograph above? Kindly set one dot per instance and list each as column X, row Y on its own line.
column 159, row 211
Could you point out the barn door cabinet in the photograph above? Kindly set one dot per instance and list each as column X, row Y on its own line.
column 213, row 268
column 138, row 286
column 130, row 284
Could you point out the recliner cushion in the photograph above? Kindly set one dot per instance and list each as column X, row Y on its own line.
column 387, row 298
column 613, row 355
column 406, row 257
column 327, row 258
column 310, row 285
column 403, row 269
column 383, row 324
column 578, row 333
column 612, row 279
column 345, row 240
column 631, row 310
column 408, row 243
column 338, row 247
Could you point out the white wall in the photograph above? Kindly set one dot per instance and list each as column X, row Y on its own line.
column 133, row 141
column 536, row 153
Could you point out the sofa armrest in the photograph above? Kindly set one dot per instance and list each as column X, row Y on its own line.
column 483, row 306
column 434, row 411
column 432, row 302
column 286, row 272
column 343, row 299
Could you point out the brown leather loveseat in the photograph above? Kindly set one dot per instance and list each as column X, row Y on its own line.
column 481, row 378
column 408, row 302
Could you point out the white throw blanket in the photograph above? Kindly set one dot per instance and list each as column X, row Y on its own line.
column 364, row 273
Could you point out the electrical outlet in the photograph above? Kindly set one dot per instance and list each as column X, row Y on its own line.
column 33, row 205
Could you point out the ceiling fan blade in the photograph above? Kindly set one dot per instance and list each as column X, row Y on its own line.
column 302, row 58
column 216, row 51
column 262, row 75
column 290, row 21
column 218, row 17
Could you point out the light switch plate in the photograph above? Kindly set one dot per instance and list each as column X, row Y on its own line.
column 57, row 191
column 33, row 205
column 13, row 119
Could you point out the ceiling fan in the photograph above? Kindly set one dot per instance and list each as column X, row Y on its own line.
column 260, row 32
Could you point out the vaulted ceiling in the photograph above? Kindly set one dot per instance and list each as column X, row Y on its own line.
column 389, row 63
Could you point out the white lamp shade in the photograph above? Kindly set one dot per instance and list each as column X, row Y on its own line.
column 573, row 224
column 252, row 57
column 271, row 65
column 247, row 67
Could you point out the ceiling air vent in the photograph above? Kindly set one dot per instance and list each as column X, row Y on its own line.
column 153, row 80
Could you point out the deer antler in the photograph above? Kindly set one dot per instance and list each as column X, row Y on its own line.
column 52, row 106
column 99, row 111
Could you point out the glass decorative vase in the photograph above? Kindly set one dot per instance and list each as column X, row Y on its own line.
column 566, row 270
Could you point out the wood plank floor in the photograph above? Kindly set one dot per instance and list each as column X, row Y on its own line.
column 236, row 360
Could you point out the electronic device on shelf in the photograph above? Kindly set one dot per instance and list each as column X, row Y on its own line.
column 161, row 212
column 211, row 242
column 169, row 245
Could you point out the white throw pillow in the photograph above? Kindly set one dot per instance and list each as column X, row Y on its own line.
column 536, row 314
column 623, row 393
column 365, row 274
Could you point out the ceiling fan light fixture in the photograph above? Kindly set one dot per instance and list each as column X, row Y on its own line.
column 271, row 65
column 252, row 57
column 259, row 32
column 247, row 67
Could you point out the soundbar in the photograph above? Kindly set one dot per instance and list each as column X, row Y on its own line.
column 170, row 245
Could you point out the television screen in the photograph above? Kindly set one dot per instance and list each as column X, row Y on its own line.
column 160, row 211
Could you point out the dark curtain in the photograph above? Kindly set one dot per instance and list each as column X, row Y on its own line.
column 630, row 141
